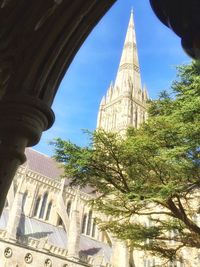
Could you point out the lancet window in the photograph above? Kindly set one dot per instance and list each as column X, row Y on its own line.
column 48, row 211
column 37, row 204
column 69, row 204
column 84, row 224
column 43, row 206
column 89, row 223
column 24, row 200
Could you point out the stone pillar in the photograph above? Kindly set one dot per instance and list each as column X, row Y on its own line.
column 15, row 213
column 120, row 254
column 74, row 231
column 22, row 121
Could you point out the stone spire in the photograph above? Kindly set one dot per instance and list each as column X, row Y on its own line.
column 124, row 104
column 129, row 71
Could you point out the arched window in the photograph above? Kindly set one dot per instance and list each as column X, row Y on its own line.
column 89, row 223
column 24, row 200
column 44, row 202
column 48, row 211
column 59, row 222
column 94, row 229
column 37, row 204
column 84, row 224
column 69, row 204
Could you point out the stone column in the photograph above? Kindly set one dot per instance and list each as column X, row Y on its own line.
column 22, row 121
column 120, row 253
column 15, row 213
column 74, row 231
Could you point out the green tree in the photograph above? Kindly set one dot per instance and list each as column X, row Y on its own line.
column 151, row 175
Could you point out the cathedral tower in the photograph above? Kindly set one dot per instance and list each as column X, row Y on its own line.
column 125, row 101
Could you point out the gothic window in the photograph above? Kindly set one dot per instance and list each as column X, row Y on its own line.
column 24, row 200
column 69, row 204
column 43, row 206
column 37, row 206
column 84, row 224
column 89, row 223
column 94, row 229
column 59, row 222
column 48, row 211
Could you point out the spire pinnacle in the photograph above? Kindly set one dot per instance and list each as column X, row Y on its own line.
column 129, row 65
column 131, row 10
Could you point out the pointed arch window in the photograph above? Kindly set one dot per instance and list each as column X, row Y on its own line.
column 94, row 229
column 59, row 222
column 37, row 204
column 48, row 211
column 84, row 224
column 43, row 206
column 24, row 200
column 89, row 223
column 69, row 204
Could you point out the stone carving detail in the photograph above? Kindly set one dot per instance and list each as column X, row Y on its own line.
column 48, row 263
column 129, row 66
column 8, row 252
column 28, row 258
column 129, row 45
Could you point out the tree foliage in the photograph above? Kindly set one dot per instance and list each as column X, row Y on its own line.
column 148, row 182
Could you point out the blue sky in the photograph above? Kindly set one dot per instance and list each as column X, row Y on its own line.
column 95, row 65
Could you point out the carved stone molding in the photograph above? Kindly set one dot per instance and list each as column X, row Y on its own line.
column 8, row 252
column 48, row 263
column 28, row 258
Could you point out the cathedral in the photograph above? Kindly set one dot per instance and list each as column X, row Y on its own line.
column 45, row 222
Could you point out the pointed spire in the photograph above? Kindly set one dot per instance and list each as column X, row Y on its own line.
column 129, row 65
column 124, row 102
column 145, row 92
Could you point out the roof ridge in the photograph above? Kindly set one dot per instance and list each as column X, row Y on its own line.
column 30, row 148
